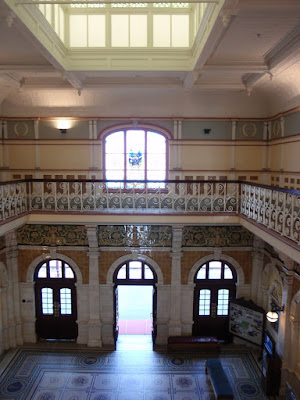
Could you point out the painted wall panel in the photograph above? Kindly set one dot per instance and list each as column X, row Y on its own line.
column 292, row 124
column 291, row 156
column 218, row 130
column 20, row 129
column 206, row 157
column 249, row 157
column 64, row 156
column 249, row 130
column 21, row 156
column 48, row 129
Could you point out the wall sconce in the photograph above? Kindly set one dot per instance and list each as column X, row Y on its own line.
column 206, row 131
column 63, row 126
column 272, row 315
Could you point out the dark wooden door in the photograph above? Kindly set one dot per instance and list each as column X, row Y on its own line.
column 56, row 310
column 211, row 310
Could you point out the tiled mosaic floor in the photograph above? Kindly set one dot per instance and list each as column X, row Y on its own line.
column 41, row 374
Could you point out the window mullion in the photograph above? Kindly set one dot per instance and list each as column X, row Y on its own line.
column 146, row 153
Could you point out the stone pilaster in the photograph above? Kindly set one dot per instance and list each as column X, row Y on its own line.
column 94, row 324
column 14, row 314
column 175, row 294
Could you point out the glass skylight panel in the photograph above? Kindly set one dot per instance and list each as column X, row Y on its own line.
column 78, row 37
column 180, row 30
column 138, row 30
column 120, row 30
column 96, row 31
column 161, row 30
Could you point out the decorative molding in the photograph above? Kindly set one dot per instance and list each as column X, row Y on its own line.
column 52, row 235
column 216, row 236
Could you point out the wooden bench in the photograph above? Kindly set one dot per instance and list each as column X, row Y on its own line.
column 219, row 380
column 193, row 342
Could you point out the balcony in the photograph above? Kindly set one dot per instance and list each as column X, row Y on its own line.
column 274, row 209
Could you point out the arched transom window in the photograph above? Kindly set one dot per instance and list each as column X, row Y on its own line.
column 133, row 272
column 135, row 154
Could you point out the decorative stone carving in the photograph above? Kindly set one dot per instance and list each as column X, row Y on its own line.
column 216, row 236
column 52, row 235
column 135, row 236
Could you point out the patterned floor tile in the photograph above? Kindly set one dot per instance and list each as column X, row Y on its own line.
column 52, row 380
column 74, row 395
column 99, row 395
column 106, row 382
column 132, row 383
column 130, row 396
column 79, row 381
column 157, row 382
column 184, row 382
column 46, row 395
column 186, row 396
column 158, row 396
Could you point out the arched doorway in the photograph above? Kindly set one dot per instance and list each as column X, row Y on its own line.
column 215, row 287
column 132, row 273
column 55, row 300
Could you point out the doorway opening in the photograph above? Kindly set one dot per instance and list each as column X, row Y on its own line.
column 135, row 306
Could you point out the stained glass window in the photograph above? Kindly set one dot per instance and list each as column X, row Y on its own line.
column 135, row 154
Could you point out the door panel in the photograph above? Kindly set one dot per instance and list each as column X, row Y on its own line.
column 56, row 310
column 154, row 315
column 211, row 311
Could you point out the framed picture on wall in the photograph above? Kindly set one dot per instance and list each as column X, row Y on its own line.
column 247, row 320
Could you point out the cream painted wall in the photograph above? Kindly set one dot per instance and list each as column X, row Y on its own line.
column 67, row 156
column 291, row 156
column 249, row 157
column 206, row 157
column 21, row 156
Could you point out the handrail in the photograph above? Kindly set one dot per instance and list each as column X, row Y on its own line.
column 277, row 209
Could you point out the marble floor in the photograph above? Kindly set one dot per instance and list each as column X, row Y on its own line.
column 133, row 372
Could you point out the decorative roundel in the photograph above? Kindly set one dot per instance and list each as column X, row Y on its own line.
column 249, row 129
column 248, row 389
column 176, row 362
column 90, row 361
column 21, row 129
column 276, row 128
column 15, row 387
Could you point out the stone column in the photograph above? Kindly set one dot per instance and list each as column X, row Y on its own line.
column 14, row 314
column 257, row 268
column 94, row 324
column 175, row 295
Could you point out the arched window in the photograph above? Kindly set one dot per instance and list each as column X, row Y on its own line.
column 135, row 154
column 133, row 272
column 215, row 286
